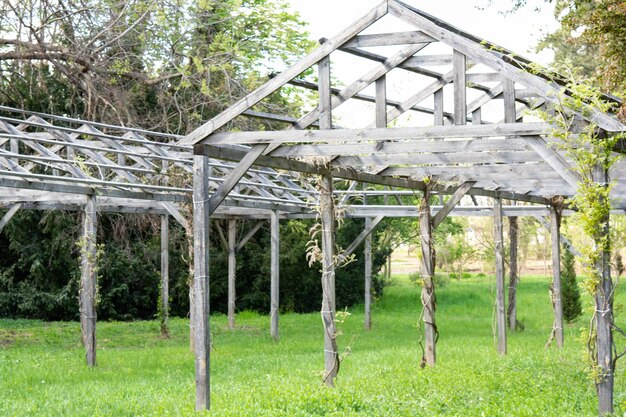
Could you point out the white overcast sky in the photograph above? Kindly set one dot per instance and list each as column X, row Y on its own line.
column 518, row 31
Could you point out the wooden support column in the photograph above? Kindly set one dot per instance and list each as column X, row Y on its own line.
column 499, row 249
column 331, row 354
column 367, row 257
column 275, row 274
column 557, row 302
column 438, row 107
column 459, row 67
column 513, row 277
column 88, row 279
column 201, row 280
column 232, row 271
column 429, row 301
column 9, row 215
column 165, row 275
column 603, row 301
column 381, row 102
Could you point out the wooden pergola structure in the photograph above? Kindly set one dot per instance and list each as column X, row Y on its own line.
column 471, row 136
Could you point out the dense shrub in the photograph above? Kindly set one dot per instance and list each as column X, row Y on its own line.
column 572, row 305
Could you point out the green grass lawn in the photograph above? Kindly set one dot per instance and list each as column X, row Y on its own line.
column 42, row 369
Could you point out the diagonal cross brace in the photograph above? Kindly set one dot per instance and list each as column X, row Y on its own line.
column 359, row 239
column 454, row 200
column 9, row 214
column 554, row 159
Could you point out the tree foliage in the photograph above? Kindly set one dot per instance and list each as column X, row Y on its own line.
column 570, row 293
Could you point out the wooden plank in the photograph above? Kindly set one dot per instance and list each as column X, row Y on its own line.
column 440, row 158
column 386, row 39
column 200, row 316
column 165, row 275
column 499, row 252
column 88, row 279
column 459, row 64
column 325, row 97
column 331, row 354
column 275, row 83
column 429, row 303
column 491, row 58
column 232, row 271
column 511, row 312
column 438, row 107
column 429, row 60
column 452, row 202
column 508, row 98
column 380, row 134
column 359, row 239
column 248, row 236
column 9, row 215
column 275, row 274
column 236, row 174
column 554, row 159
column 557, row 302
column 367, row 257
column 381, row 102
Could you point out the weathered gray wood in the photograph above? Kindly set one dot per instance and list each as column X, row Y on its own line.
column 200, row 317
column 499, row 252
column 359, row 239
column 367, row 257
column 381, row 102
column 165, row 275
column 508, row 98
column 385, row 39
column 325, row 97
column 380, row 134
column 452, row 202
column 554, row 159
column 232, row 271
column 9, row 215
column 88, row 279
column 513, row 268
column 429, row 302
column 557, row 302
column 275, row 274
column 331, row 353
column 280, row 80
column 429, row 60
column 459, row 65
column 490, row 57
column 603, row 303
column 438, row 107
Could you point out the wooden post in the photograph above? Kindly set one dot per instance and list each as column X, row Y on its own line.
column 381, row 102
column 499, row 249
column 368, row 276
column 438, row 107
column 201, row 280
column 165, row 275
column 603, row 301
column 88, row 280
column 459, row 67
column 331, row 355
column 429, row 301
column 232, row 271
column 513, row 277
column 557, row 302
column 275, row 271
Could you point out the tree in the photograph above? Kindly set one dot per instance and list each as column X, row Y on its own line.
column 570, row 293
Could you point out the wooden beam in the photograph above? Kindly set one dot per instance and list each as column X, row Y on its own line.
column 429, row 303
column 88, row 278
column 275, row 274
column 232, row 271
column 499, row 252
column 165, row 275
column 359, row 239
column 438, row 107
column 385, row 39
column 331, row 354
column 200, row 316
column 248, row 236
column 381, row 102
column 511, row 311
column 557, row 301
column 9, row 215
column 275, row 83
column 452, row 202
column 233, row 178
column 325, row 97
column 459, row 67
column 508, row 98
column 554, row 159
column 379, row 134
column 367, row 255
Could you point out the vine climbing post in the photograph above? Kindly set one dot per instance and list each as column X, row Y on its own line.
column 200, row 313
column 275, row 271
column 331, row 354
column 513, row 277
column 429, row 301
column 499, row 252
column 603, row 300
column 88, row 278
column 232, row 271
column 368, row 276
column 557, row 301
column 165, row 277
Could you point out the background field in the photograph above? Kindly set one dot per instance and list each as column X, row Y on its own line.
column 42, row 368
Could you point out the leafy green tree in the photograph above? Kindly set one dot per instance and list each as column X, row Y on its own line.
column 572, row 305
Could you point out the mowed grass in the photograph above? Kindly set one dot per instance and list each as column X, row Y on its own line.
column 42, row 368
